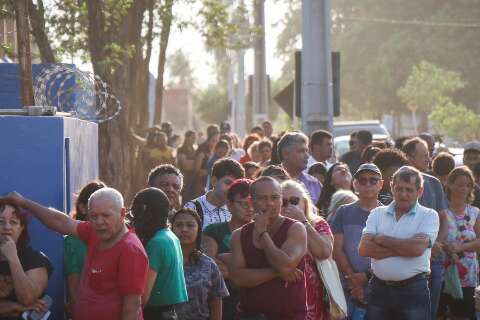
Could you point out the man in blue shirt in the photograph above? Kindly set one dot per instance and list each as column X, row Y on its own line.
column 347, row 227
column 399, row 238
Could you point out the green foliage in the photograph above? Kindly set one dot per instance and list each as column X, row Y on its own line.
column 68, row 22
column 180, row 70
column 428, row 86
column 225, row 27
column 212, row 103
column 456, row 121
column 377, row 55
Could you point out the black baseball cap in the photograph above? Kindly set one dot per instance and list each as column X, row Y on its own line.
column 368, row 167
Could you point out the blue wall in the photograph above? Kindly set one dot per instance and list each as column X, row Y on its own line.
column 35, row 163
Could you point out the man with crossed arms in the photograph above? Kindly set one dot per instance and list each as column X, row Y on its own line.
column 399, row 238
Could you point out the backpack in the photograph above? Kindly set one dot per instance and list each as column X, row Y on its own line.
column 199, row 209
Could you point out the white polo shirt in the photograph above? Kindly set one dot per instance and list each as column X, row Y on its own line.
column 419, row 219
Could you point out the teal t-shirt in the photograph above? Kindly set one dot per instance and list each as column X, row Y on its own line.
column 166, row 258
column 74, row 255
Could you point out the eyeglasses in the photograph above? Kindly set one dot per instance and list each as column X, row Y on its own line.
column 371, row 181
column 293, row 200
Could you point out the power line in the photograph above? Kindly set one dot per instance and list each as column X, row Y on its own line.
column 412, row 22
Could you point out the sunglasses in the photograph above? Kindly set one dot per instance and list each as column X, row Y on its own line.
column 371, row 181
column 293, row 200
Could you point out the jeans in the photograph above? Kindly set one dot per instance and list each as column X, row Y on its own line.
column 410, row 302
column 435, row 284
column 355, row 312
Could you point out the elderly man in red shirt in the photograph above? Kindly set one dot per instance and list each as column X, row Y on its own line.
column 115, row 269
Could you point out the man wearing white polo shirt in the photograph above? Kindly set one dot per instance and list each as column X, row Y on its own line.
column 399, row 238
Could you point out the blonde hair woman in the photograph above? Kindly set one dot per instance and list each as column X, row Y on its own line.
column 297, row 205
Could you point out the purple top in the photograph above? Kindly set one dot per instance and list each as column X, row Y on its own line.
column 312, row 185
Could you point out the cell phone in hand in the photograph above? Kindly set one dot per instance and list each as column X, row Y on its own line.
column 35, row 315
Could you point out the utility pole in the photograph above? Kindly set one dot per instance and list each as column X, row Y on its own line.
column 317, row 95
column 260, row 92
column 24, row 55
column 240, row 104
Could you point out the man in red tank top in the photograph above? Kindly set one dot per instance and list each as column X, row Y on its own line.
column 267, row 259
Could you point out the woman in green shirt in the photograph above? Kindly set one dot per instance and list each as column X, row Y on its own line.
column 165, row 287
column 74, row 249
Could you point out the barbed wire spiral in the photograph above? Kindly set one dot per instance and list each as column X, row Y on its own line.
column 81, row 93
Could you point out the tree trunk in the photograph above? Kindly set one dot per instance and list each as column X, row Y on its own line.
column 37, row 19
column 164, row 36
column 117, row 156
column 24, row 55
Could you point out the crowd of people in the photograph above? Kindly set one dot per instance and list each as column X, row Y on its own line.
column 236, row 229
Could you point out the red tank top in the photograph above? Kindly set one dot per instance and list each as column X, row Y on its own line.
column 273, row 299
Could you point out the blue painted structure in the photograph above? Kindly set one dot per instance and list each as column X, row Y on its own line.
column 47, row 159
column 10, row 86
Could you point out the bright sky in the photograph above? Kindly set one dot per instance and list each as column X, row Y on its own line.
column 191, row 42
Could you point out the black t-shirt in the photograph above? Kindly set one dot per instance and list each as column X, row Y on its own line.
column 30, row 259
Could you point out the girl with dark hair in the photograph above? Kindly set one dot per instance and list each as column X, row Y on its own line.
column 165, row 286
column 24, row 272
column 205, row 283
column 74, row 250
column 463, row 240
column 338, row 177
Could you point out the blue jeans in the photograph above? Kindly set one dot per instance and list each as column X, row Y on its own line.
column 435, row 284
column 410, row 302
column 355, row 312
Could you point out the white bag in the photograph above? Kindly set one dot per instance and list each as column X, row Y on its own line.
column 331, row 280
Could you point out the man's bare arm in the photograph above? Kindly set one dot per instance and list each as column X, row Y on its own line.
column 368, row 248
column 286, row 259
column 241, row 276
column 132, row 307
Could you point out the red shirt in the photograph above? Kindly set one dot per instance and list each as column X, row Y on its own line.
column 108, row 275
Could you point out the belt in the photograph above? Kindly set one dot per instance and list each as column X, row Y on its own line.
column 401, row 283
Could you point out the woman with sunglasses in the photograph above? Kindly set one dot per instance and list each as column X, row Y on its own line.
column 463, row 239
column 338, row 177
column 205, row 284
column 297, row 205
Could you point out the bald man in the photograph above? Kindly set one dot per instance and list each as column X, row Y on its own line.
column 115, row 269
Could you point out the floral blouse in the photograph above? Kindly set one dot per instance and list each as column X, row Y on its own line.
column 316, row 307
column 461, row 230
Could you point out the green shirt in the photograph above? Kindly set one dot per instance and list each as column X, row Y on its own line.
column 74, row 255
column 221, row 233
column 166, row 258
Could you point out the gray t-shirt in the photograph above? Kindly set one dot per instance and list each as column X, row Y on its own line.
column 433, row 196
column 350, row 220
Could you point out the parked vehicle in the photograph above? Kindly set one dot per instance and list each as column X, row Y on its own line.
column 343, row 129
